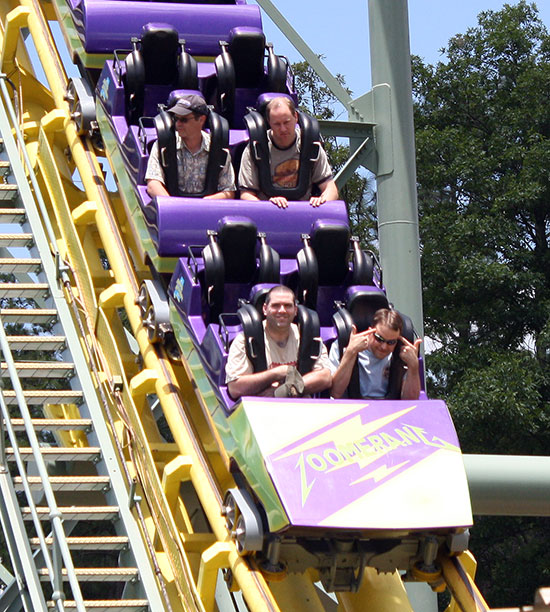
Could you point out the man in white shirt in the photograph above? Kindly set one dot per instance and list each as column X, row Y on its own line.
column 282, row 340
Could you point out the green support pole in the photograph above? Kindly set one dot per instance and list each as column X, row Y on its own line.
column 396, row 177
column 508, row 485
column 396, row 184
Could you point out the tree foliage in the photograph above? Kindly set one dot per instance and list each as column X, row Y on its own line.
column 482, row 120
column 483, row 145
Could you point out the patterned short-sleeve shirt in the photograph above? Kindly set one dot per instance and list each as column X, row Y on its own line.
column 191, row 167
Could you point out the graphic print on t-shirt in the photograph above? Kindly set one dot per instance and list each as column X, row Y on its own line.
column 286, row 173
column 275, row 364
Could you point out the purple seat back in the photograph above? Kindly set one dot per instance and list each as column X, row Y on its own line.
column 104, row 25
column 176, row 223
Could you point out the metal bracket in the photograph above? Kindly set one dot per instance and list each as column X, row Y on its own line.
column 133, row 499
column 374, row 108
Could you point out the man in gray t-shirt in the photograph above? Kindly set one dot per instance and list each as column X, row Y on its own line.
column 284, row 151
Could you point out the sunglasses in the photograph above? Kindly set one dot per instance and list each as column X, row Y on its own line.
column 380, row 339
column 182, row 119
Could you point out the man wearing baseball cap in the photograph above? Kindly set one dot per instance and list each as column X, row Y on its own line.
column 193, row 146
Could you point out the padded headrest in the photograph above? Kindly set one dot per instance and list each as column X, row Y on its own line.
column 244, row 32
column 232, row 221
column 363, row 303
column 258, row 293
column 247, row 48
column 160, row 49
column 152, row 27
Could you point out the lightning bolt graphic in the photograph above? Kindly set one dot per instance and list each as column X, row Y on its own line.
column 444, row 444
column 380, row 473
column 436, row 441
column 306, row 488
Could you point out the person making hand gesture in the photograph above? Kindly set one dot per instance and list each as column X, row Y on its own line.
column 374, row 348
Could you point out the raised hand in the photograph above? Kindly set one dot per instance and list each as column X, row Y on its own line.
column 359, row 341
column 409, row 351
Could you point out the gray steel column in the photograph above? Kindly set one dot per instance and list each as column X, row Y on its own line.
column 397, row 204
column 509, row 485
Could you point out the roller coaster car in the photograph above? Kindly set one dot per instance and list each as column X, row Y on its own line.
column 165, row 226
column 350, row 483
column 211, row 283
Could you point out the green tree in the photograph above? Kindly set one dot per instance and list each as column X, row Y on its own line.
column 482, row 120
column 483, row 146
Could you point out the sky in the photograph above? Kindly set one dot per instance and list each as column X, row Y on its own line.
column 342, row 36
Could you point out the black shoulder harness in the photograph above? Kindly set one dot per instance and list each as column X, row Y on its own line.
column 217, row 156
column 310, row 149
column 254, row 340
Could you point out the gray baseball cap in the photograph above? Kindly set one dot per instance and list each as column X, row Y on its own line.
column 189, row 103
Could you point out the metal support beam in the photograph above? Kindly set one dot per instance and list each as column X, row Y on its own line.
column 311, row 58
column 349, row 129
column 396, row 199
column 508, row 485
column 365, row 155
column 361, row 137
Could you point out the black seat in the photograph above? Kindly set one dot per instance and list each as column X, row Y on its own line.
column 166, row 138
column 231, row 267
column 330, row 261
column 241, row 66
column 157, row 64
